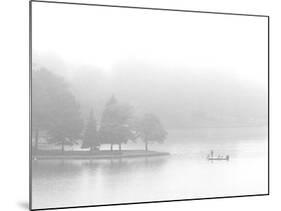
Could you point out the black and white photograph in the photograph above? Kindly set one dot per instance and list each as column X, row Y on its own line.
column 137, row 105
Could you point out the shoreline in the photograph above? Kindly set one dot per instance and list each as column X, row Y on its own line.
column 105, row 154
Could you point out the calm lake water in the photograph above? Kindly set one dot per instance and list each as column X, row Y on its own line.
column 186, row 173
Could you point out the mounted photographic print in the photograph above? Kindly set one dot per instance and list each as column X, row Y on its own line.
column 140, row 105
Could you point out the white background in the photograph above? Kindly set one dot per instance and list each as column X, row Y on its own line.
column 14, row 104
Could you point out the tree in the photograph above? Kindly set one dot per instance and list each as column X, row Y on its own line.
column 66, row 124
column 90, row 139
column 150, row 129
column 54, row 109
column 41, row 102
column 115, row 125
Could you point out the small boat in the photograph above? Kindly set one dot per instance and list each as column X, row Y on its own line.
column 218, row 157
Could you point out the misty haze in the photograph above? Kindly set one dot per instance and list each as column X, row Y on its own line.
column 133, row 105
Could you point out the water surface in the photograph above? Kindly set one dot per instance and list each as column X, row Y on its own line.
column 186, row 173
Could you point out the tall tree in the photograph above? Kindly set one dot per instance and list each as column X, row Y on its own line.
column 54, row 109
column 150, row 129
column 90, row 139
column 41, row 103
column 67, row 123
column 115, row 124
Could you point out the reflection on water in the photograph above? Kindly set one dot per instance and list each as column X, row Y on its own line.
column 185, row 174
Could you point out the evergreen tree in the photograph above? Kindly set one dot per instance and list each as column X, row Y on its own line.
column 90, row 139
column 115, row 124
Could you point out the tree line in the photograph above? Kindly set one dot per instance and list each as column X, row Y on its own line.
column 56, row 113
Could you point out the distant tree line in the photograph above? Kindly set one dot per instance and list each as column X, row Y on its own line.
column 56, row 113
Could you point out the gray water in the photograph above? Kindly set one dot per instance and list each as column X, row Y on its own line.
column 185, row 174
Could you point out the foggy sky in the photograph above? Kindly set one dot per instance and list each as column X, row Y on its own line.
column 190, row 69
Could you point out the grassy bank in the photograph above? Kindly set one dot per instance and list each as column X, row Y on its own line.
column 102, row 154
